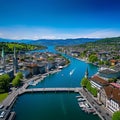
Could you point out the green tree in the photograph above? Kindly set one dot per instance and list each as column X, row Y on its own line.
column 20, row 75
column 88, row 86
column 107, row 63
column 16, row 81
column 93, row 58
column 112, row 80
column 94, row 91
column 4, row 82
column 84, row 82
column 116, row 116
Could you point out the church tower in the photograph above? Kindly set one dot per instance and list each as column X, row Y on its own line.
column 86, row 73
column 15, row 64
column 3, row 58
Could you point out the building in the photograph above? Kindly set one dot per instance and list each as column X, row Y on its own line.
column 109, row 73
column 33, row 68
column 113, row 62
column 110, row 97
column 98, row 82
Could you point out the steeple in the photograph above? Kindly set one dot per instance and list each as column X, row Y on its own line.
column 14, row 52
column 86, row 73
column 3, row 57
column 15, row 62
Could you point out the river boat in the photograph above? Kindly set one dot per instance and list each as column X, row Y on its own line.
column 81, row 99
column 71, row 72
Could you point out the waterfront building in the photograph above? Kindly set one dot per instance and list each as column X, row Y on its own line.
column 42, row 68
column 26, row 73
column 98, row 82
column 110, row 73
column 110, row 97
column 33, row 68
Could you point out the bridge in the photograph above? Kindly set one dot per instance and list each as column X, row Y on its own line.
column 22, row 91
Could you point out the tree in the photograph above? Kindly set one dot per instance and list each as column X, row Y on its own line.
column 93, row 58
column 4, row 82
column 88, row 86
column 112, row 80
column 20, row 75
column 16, row 81
column 116, row 116
column 94, row 91
column 84, row 82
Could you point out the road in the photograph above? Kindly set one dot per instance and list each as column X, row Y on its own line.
column 99, row 108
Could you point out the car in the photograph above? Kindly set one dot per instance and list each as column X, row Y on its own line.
column 1, row 106
column 2, row 114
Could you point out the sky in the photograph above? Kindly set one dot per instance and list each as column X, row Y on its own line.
column 59, row 19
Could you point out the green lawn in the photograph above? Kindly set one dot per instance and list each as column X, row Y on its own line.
column 3, row 96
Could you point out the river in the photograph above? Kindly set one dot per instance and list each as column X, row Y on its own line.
column 56, row 106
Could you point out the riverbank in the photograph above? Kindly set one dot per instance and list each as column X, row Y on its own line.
column 12, row 97
column 61, row 79
column 87, row 62
column 88, row 101
column 3, row 96
column 101, row 111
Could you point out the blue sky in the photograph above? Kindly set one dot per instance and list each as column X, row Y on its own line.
column 54, row 19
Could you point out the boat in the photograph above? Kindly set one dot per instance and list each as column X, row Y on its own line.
column 78, row 96
column 81, row 104
column 81, row 99
column 71, row 72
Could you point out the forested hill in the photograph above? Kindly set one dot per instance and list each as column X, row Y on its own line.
column 109, row 40
column 9, row 47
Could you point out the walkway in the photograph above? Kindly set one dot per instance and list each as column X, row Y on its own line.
column 49, row 90
column 101, row 111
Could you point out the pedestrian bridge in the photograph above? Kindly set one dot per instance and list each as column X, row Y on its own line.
column 50, row 90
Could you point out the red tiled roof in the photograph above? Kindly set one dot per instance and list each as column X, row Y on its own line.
column 115, row 85
column 99, row 80
column 113, row 93
column 113, row 61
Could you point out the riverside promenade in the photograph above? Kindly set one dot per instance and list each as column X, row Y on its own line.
column 9, row 101
column 100, row 110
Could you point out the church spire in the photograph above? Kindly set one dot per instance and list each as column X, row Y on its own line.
column 86, row 73
column 15, row 62
column 14, row 52
column 2, row 54
column 3, row 57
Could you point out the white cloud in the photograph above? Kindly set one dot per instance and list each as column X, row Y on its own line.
column 103, row 34
column 1, row 34
column 48, row 33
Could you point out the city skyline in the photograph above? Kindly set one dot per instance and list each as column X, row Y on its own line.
column 59, row 19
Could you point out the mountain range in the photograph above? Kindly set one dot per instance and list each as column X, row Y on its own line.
column 47, row 42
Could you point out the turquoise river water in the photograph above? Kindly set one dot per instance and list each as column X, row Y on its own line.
column 56, row 106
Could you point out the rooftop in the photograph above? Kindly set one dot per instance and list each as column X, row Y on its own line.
column 115, row 85
column 107, row 71
column 113, row 93
column 99, row 80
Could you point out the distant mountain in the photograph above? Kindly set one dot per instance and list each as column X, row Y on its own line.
column 18, row 41
column 47, row 42
column 64, row 42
